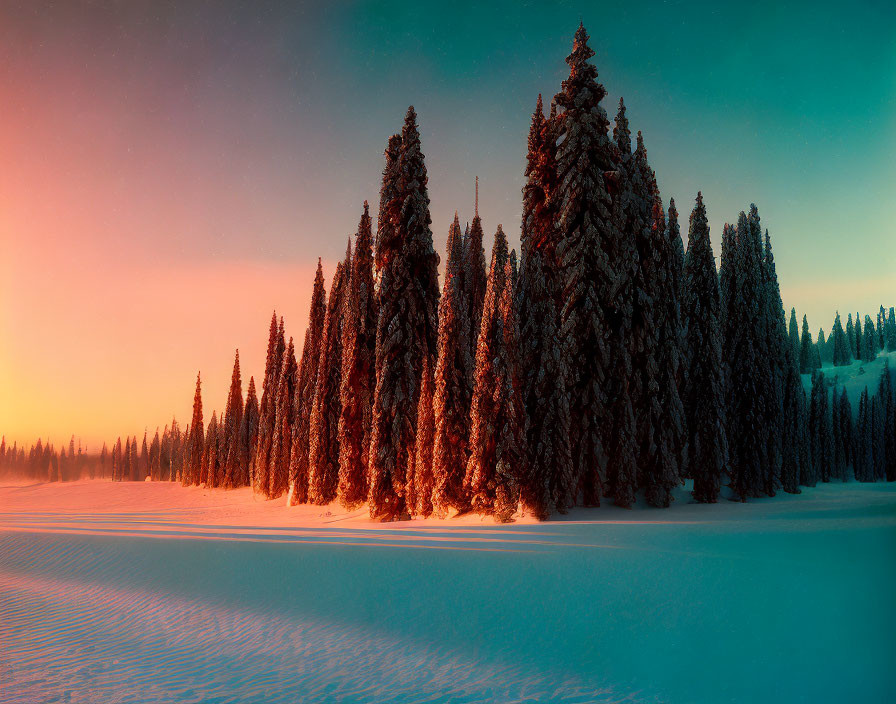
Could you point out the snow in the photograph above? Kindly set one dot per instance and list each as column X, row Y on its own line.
column 139, row 592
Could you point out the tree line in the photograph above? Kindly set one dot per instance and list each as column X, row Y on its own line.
column 602, row 362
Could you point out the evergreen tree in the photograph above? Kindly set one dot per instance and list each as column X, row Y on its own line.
column 474, row 278
column 887, row 440
column 850, row 336
column 407, row 328
column 299, row 459
column 881, row 333
column 838, row 458
column 863, row 459
column 891, row 330
column 744, row 345
column 846, row 432
column 357, row 379
column 196, row 441
column 453, row 385
column 281, row 438
column 821, row 345
column 807, row 353
column 155, row 458
column 840, row 356
column 859, row 351
column 323, row 480
column 794, row 335
column 869, row 338
column 497, row 441
column 662, row 424
column 233, row 418
column 267, row 409
column 598, row 263
column 704, row 391
column 209, row 476
column 878, row 448
column 421, row 483
column 248, row 435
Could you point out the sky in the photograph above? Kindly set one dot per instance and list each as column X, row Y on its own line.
column 170, row 172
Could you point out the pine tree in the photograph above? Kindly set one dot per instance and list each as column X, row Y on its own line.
column 155, row 458
column 863, row 459
column 778, row 358
column 277, row 481
column 210, row 463
column 407, row 328
column 357, row 378
column 743, row 348
column 662, row 424
column 474, row 277
column 196, row 441
column 807, row 355
column 420, row 485
column 841, row 356
column 844, row 419
column 248, row 435
column 233, row 418
column 887, row 440
column 453, row 385
column 267, row 409
column 794, row 335
column 323, row 479
column 850, row 336
column 881, row 333
column 299, row 459
column 598, row 264
column 704, row 391
column 821, row 345
column 869, row 338
column 878, row 448
column 891, row 330
column 859, row 350
column 497, row 441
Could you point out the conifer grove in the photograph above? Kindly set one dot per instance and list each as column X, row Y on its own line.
column 604, row 361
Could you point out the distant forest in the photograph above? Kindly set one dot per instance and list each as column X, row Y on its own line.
column 601, row 362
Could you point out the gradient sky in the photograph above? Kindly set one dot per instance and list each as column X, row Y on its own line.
column 170, row 172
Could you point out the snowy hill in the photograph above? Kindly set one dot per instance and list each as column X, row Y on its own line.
column 855, row 377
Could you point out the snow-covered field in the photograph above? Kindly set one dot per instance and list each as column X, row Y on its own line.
column 156, row 593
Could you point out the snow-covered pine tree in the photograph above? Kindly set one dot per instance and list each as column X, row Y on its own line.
column 878, row 449
column 840, row 356
column 155, row 458
column 794, row 335
column 887, row 441
column 869, row 338
column 808, row 359
column 598, row 262
column 248, row 435
column 673, row 233
column 662, row 425
column 891, row 330
column 850, row 336
column 196, row 441
column 233, row 418
column 407, row 328
column 859, row 350
column 323, row 478
column 357, row 378
column 267, row 409
column 704, row 391
column 881, row 333
column 385, row 228
column 453, row 385
column 497, row 440
column 419, row 490
column 209, row 476
column 743, row 347
column 281, row 438
column 299, row 458
column 474, row 278
column 538, row 229
column 821, row 345
column 844, row 418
